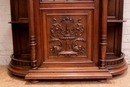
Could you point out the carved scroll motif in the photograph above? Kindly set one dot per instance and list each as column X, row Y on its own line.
column 68, row 36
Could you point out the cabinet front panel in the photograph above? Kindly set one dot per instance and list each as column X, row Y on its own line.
column 67, row 34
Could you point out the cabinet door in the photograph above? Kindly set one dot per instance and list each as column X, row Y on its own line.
column 69, row 33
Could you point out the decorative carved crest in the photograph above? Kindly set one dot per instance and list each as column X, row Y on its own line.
column 68, row 34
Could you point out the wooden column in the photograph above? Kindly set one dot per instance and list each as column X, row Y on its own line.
column 103, row 34
column 32, row 34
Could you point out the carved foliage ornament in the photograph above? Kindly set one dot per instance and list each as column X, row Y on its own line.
column 68, row 34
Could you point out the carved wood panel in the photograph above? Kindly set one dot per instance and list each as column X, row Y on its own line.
column 68, row 36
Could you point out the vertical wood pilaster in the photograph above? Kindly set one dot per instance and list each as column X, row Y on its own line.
column 32, row 34
column 103, row 34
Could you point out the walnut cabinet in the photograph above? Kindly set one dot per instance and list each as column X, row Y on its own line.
column 67, row 39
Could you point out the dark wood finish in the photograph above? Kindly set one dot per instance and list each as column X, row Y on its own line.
column 103, row 32
column 32, row 34
column 67, row 39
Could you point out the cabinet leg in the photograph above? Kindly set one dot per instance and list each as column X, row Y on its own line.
column 34, row 81
column 102, row 80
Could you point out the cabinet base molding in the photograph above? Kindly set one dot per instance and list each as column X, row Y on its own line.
column 69, row 73
column 19, row 67
column 115, row 66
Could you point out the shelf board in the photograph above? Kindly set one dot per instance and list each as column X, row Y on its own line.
column 18, row 22
column 118, row 21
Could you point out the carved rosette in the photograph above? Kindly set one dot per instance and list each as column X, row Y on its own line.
column 66, row 37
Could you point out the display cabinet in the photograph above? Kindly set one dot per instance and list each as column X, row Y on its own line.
column 67, row 39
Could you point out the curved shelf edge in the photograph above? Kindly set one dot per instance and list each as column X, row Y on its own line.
column 19, row 67
column 117, row 66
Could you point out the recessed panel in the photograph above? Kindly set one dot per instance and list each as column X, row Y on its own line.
column 113, row 6
column 110, row 39
column 22, row 13
column 67, row 35
column 113, row 39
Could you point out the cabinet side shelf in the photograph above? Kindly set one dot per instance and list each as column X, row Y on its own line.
column 18, row 22
column 116, row 21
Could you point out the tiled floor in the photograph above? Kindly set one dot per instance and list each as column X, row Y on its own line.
column 8, row 80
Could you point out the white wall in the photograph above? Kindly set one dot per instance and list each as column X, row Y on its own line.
column 126, row 31
column 5, row 32
column 6, row 48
